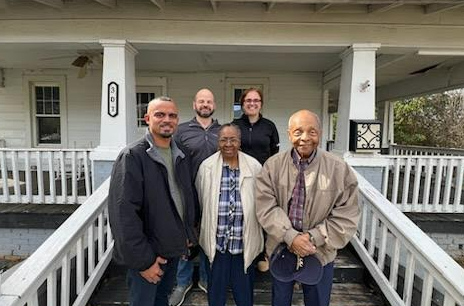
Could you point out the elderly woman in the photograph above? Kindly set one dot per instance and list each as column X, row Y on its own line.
column 259, row 135
column 230, row 234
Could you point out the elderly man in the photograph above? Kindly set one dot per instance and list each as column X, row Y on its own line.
column 200, row 136
column 230, row 234
column 307, row 198
column 152, row 202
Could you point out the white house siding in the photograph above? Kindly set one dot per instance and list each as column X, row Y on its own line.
column 300, row 90
column 13, row 117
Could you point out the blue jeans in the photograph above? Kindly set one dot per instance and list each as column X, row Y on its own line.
column 316, row 295
column 229, row 269
column 185, row 270
column 143, row 293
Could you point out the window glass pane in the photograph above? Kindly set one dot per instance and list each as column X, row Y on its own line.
column 39, row 93
column 56, row 108
column 142, row 102
column 237, row 108
column 48, row 107
column 48, row 130
column 47, row 93
column 56, row 93
column 40, row 108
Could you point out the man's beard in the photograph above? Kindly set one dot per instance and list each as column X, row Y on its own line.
column 166, row 135
column 204, row 115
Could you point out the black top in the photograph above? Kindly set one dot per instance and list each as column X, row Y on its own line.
column 260, row 139
column 201, row 143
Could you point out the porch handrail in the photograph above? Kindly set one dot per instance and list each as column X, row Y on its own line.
column 425, row 183
column 387, row 239
column 82, row 243
column 42, row 175
column 397, row 149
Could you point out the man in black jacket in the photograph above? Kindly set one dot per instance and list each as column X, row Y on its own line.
column 152, row 207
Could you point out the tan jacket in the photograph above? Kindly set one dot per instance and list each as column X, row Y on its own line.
column 331, row 210
column 208, row 184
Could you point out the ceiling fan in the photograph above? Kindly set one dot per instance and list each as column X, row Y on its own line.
column 83, row 60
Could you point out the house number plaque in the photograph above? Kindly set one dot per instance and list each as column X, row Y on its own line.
column 113, row 99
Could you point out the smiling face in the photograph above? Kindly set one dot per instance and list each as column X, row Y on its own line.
column 204, row 104
column 252, row 103
column 229, row 142
column 162, row 118
column 304, row 132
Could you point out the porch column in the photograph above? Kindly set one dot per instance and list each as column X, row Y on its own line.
column 118, row 124
column 357, row 91
column 386, row 114
column 325, row 119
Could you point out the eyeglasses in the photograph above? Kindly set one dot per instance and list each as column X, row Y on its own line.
column 226, row 140
column 249, row 101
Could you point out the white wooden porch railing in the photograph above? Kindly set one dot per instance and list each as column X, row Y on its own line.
column 45, row 176
column 398, row 254
column 421, row 150
column 71, row 261
column 425, row 183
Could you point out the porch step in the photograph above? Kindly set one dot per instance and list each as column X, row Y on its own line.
column 349, row 287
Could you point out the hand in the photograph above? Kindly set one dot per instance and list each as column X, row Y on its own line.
column 154, row 273
column 302, row 245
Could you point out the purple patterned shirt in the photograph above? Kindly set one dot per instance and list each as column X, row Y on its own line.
column 296, row 207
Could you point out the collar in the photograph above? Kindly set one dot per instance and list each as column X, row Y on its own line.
column 153, row 152
column 297, row 160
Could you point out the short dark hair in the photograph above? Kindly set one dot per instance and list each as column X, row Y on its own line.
column 234, row 126
column 260, row 93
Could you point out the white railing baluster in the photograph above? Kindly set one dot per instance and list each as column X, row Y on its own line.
column 109, row 235
column 416, row 188
column 385, row 180
column 65, row 280
column 362, row 234
column 17, row 189
column 64, row 192
column 396, row 180
column 73, row 177
column 28, row 176
column 91, row 249
column 404, row 196
column 372, row 241
column 409, row 279
column 394, row 264
column 100, row 236
column 51, row 177
column 448, row 300
column 437, row 187
column 428, row 180
column 34, row 300
column 448, row 185
column 40, row 184
column 51, row 289
column 80, row 277
column 5, row 186
column 88, row 191
column 458, row 188
column 382, row 246
column 427, row 288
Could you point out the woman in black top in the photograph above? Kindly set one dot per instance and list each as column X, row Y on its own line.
column 259, row 135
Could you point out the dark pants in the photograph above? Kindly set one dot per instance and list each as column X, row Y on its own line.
column 143, row 293
column 317, row 295
column 229, row 269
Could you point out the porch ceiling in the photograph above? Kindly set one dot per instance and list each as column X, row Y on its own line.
column 370, row 6
column 393, row 64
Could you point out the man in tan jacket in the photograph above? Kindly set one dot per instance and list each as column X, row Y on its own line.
column 308, row 199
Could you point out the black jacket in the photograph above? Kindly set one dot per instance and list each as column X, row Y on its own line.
column 260, row 140
column 143, row 217
column 202, row 143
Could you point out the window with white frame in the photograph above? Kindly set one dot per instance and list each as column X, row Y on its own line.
column 47, row 104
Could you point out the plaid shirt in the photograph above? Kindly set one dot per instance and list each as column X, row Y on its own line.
column 296, row 207
column 230, row 213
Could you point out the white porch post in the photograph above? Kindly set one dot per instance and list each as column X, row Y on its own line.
column 357, row 91
column 118, row 124
column 385, row 112
column 325, row 119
